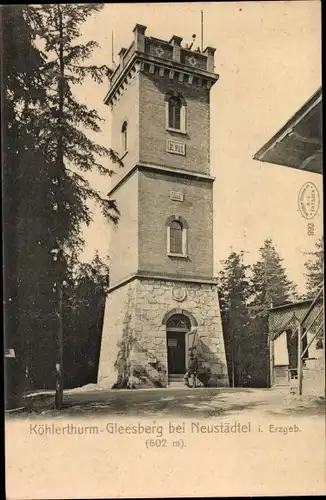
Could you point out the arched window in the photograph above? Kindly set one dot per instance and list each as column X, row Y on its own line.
column 124, row 137
column 176, row 230
column 175, row 108
column 178, row 322
column 176, row 236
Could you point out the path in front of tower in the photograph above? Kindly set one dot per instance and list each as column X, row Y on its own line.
column 178, row 403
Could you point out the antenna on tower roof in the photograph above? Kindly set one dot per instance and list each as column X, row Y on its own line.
column 202, row 30
column 112, row 54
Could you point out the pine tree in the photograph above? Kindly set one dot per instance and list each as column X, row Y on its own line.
column 234, row 293
column 22, row 91
column 64, row 141
column 315, row 268
column 83, row 309
column 48, row 151
column 270, row 285
column 22, row 83
column 64, row 121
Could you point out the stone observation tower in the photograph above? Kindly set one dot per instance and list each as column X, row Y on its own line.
column 163, row 297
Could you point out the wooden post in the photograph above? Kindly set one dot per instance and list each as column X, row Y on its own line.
column 300, row 359
column 59, row 364
column 270, row 361
column 233, row 370
column 201, row 30
column 60, row 167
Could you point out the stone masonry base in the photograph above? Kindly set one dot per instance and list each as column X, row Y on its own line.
column 134, row 342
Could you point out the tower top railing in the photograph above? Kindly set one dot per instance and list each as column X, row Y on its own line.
column 169, row 50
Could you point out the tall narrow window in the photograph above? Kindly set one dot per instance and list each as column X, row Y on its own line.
column 176, row 230
column 177, row 236
column 124, row 137
column 175, row 112
column 175, row 106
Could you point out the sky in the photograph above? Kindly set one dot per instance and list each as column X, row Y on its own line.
column 268, row 56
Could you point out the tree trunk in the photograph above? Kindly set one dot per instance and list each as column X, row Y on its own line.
column 59, row 365
column 232, row 351
column 60, row 166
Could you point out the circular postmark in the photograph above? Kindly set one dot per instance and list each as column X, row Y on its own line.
column 308, row 200
column 179, row 293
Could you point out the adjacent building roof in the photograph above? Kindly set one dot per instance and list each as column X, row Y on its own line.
column 286, row 316
column 290, row 305
column 298, row 144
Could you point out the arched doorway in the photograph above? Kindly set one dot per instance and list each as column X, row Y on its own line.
column 177, row 328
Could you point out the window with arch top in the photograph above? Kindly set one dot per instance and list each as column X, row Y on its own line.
column 124, row 138
column 176, row 229
column 177, row 235
column 178, row 322
column 175, row 108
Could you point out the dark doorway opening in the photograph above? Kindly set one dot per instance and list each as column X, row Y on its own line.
column 176, row 336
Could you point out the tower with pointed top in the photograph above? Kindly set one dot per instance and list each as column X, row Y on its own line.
column 163, row 301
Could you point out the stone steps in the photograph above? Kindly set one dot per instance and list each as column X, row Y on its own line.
column 176, row 380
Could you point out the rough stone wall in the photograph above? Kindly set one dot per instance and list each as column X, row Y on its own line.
column 118, row 328
column 134, row 334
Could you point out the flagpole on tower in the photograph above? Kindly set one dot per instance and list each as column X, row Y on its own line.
column 202, row 30
column 112, row 57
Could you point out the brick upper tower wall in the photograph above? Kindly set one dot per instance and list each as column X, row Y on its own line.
column 126, row 110
column 147, row 71
column 150, row 72
column 196, row 209
column 153, row 134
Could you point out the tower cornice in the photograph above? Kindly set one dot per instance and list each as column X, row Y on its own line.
column 188, row 174
column 140, row 61
column 146, row 275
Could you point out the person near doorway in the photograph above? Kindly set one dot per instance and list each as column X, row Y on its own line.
column 190, row 375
